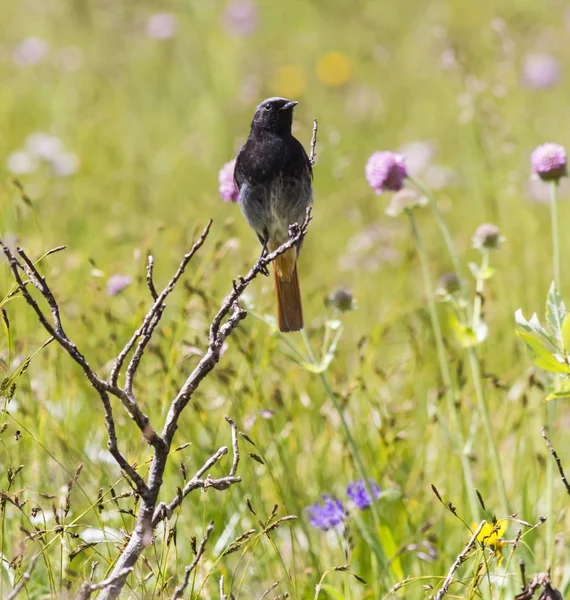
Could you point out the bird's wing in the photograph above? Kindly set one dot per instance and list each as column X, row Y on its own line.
column 238, row 173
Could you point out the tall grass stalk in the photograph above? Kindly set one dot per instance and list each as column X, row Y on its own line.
column 450, row 392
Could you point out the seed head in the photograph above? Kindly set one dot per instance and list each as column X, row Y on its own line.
column 404, row 201
column 487, row 237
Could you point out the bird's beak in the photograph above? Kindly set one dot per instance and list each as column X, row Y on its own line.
column 289, row 105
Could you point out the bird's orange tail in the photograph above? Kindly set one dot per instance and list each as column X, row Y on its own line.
column 289, row 306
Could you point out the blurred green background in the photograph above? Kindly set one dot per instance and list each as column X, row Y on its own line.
column 139, row 104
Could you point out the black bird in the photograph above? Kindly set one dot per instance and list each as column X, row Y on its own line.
column 273, row 174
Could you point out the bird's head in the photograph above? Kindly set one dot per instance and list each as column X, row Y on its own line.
column 275, row 115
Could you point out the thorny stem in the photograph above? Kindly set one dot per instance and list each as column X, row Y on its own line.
column 448, row 383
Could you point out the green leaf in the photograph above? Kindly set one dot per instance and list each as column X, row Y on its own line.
column 486, row 273
column 536, row 330
column 464, row 335
column 555, row 312
column 566, row 333
column 332, row 592
column 540, row 355
column 562, row 390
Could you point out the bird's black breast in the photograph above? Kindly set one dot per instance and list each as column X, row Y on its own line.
column 265, row 157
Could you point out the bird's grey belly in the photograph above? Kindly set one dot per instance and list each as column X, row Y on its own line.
column 271, row 207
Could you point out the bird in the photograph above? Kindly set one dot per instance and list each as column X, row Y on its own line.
column 274, row 177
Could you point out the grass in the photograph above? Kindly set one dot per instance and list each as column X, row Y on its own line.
column 152, row 121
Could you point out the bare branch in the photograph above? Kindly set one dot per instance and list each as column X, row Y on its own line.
column 24, row 580
column 313, row 155
column 557, row 459
column 269, row 589
column 89, row 588
column 149, row 277
column 153, row 316
column 180, row 589
column 164, row 511
column 458, row 561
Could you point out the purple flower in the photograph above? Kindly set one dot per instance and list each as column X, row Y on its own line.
column 161, row 26
column 30, row 52
column 386, row 171
column 326, row 512
column 117, row 283
column 358, row 493
column 228, row 189
column 241, row 17
column 540, row 71
column 548, row 161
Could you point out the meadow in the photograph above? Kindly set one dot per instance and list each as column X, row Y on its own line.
column 115, row 120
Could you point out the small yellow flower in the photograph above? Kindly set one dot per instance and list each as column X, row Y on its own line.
column 334, row 69
column 491, row 536
column 289, row 81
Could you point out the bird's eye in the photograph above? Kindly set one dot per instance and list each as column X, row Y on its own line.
column 268, row 107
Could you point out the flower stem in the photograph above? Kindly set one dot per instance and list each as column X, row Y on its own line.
column 551, row 408
column 420, row 185
column 450, row 393
column 352, row 443
column 479, row 293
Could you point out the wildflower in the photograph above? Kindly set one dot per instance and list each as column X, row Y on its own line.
column 386, row 171
column 326, row 512
column 540, row 71
column 405, row 201
column 491, row 536
column 43, row 145
column 161, row 26
column 227, row 188
column 548, row 161
column 334, row 69
column 357, row 491
column 30, row 52
column 487, row 237
column 418, row 156
column 449, row 284
column 241, row 17
column 21, row 163
column 342, row 300
column 64, row 164
column 117, row 283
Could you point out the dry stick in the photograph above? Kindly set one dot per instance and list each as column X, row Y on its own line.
column 269, row 589
column 179, row 591
column 313, row 155
column 222, row 593
column 557, row 459
column 25, row 578
column 458, row 561
column 149, row 277
column 89, row 588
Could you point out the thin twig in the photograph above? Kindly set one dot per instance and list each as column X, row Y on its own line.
column 24, row 580
column 269, row 589
column 557, row 459
column 222, row 593
column 313, row 155
column 180, row 589
column 149, row 277
column 458, row 561
column 89, row 588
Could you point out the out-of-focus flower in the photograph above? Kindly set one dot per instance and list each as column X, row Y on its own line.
column 491, row 536
column 117, row 283
column 548, row 161
column 538, row 192
column 161, row 26
column 326, row 512
column 30, row 51
column 449, row 284
column 357, row 491
column 334, row 69
column 65, row 164
column 419, row 156
column 21, row 163
column 371, row 247
column 289, row 81
column 405, row 201
column 227, row 188
column 487, row 237
column 342, row 300
column 386, row 171
column 43, row 145
column 241, row 17
column 69, row 58
column 540, row 71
